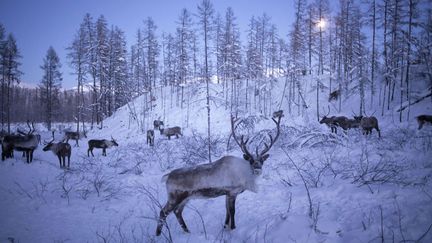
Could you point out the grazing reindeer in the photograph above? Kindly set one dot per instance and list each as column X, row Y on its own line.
column 353, row 123
column 342, row 122
column 26, row 142
column 329, row 121
column 157, row 124
column 334, row 95
column 367, row 123
column 278, row 114
column 227, row 176
column 150, row 137
column 62, row 150
column 171, row 131
column 346, row 123
column 74, row 136
column 422, row 119
column 103, row 144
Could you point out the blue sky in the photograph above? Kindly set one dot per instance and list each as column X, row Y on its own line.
column 38, row 24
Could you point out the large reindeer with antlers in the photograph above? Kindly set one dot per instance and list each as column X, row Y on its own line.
column 26, row 142
column 227, row 176
column 334, row 121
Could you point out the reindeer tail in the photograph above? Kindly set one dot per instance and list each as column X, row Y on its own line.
column 164, row 178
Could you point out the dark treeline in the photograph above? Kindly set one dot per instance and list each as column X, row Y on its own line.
column 372, row 48
column 29, row 105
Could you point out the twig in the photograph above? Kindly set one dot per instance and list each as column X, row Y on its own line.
column 304, row 183
column 201, row 218
column 382, row 224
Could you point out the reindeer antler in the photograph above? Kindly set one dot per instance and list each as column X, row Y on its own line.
column 31, row 128
column 242, row 143
column 46, row 143
column 328, row 112
column 272, row 140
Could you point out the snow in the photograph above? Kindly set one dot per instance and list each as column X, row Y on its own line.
column 352, row 180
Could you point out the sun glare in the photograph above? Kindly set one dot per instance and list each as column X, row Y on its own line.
column 321, row 23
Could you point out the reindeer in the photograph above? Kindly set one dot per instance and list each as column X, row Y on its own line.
column 346, row 123
column 103, row 144
column 157, row 124
column 278, row 113
column 61, row 149
column 171, row 131
column 422, row 119
column 74, row 136
column 367, row 123
column 150, row 137
column 334, row 121
column 334, row 95
column 229, row 176
column 329, row 121
column 25, row 142
column 3, row 133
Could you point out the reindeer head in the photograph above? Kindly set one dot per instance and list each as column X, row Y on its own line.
column 114, row 142
column 325, row 118
column 48, row 145
column 256, row 160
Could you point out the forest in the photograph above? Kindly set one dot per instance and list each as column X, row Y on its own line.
column 209, row 93
column 375, row 49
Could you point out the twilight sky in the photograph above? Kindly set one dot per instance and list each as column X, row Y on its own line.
column 37, row 24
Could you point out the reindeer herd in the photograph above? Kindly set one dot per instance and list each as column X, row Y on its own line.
column 366, row 123
column 228, row 176
column 28, row 142
column 168, row 132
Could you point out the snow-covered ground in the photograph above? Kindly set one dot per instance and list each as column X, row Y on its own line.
column 361, row 189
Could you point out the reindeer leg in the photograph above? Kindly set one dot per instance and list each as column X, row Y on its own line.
column 27, row 153
column 174, row 200
column 60, row 162
column 69, row 161
column 228, row 215
column 379, row 132
column 178, row 213
column 232, row 210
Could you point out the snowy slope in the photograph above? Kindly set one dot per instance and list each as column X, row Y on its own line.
column 352, row 180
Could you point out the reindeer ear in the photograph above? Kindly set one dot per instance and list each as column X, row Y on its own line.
column 265, row 157
column 246, row 157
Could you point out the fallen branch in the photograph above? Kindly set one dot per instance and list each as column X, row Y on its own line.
column 414, row 102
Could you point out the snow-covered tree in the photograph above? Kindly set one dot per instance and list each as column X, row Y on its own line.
column 77, row 52
column 102, row 62
column 50, row 86
column 205, row 15
column 11, row 73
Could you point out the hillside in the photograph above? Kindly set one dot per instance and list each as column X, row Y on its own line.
column 316, row 186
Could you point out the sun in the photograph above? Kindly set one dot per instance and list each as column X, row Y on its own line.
column 321, row 23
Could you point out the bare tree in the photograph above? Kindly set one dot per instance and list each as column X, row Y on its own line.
column 205, row 14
